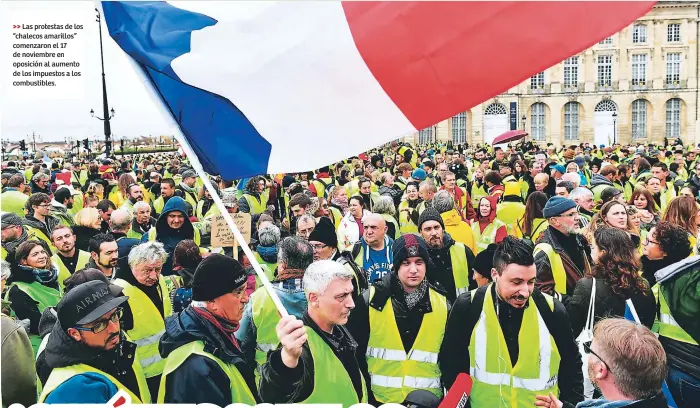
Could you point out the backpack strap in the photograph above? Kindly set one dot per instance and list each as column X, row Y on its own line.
column 477, row 305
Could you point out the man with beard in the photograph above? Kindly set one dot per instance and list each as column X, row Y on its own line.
column 624, row 174
column 186, row 189
column 167, row 190
column 562, row 256
column 149, row 301
column 399, row 324
column 134, row 194
column 514, row 341
column 67, row 258
column 104, row 254
column 298, row 206
column 87, row 351
column 451, row 259
column 627, row 363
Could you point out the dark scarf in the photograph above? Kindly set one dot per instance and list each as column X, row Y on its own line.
column 10, row 246
column 226, row 327
column 43, row 276
column 414, row 203
column 268, row 254
column 206, row 205
column 414, row 297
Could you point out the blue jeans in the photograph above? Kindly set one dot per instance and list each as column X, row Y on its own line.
column 684, row 388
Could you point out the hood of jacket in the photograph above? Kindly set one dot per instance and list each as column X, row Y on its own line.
column 187, row 327
column 451, row 218
column 174, row 204
column 598, row 180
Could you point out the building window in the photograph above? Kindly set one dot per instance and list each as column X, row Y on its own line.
column 425, row 136
column 605, row 70
column 571, row 72
column 459, row 128
column 606, row 41
column 496, row 109
column 639, row 34
column 673, row 68
column 537, row 118
column 673, row 118
column 673, row 33
column 537, row 81
column 639, row 69
column 639, row 119
column 571, row 110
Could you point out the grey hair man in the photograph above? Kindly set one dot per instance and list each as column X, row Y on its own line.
column 305, row 224
column 266, row 252
column 385, row 207
column 120, row 222
column 142, row 222
column 150, row 303
column 583, row 198
column 443, row 202
column 256, row 332
column 329, row 293
column 427, row 190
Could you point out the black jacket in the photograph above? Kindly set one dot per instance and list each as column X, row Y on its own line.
column 21, row 303
column 280, row 384
column 83, row 236
column 607, row 304
column 407, row 321
column 575, row 254
column 650, row 267
column 442, row 273
column 200, row 379
column 454, row 354
column 142, row 229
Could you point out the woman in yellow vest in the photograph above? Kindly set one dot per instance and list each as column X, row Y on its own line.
column 487, row 228
column 479, row 188
column 683, row 212
column 408, row 215
column 33, row 286
column 118, row 195
column 533, row 224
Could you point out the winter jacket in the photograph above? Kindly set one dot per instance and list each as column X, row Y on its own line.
column 60, row 212
column 62, row 351
column 598, row 184
column 408, row 321
column 200, row 379
column 83, row 236
column 138, row 229
column 657, row 401
column 454, row 353
column 348, row 231
column 19, row 376
column 650, row 267
column 458, row 229
column 22, row 304
column 440, row 273
column 280, row 384
column 393, row 191
column 607, row 304
column 168, row 236
column 545, row 278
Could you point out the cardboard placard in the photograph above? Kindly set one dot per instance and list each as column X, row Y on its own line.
column 221, row 234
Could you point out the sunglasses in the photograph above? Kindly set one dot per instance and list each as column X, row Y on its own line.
column 587, row 349
column 101, row 325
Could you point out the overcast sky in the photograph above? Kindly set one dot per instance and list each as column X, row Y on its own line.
column 55, row 119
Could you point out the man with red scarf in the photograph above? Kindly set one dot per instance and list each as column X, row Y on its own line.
column 204, row 363
column 459, row 195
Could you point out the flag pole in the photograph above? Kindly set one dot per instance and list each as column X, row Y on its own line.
column 194, row 160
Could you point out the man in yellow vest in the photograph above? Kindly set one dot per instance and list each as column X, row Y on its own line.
column 96, row 359
column 203, row 362
column 186, row 189
column 399, row 324
column 149, row 301
column 134, row 194
column 451, row 259
column 562, row 256
column 514, row 341
column 13, row 198
column 67, row 258
column 167, row 191
column 316, row 362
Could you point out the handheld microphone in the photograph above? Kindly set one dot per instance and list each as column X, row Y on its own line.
column 458, row 395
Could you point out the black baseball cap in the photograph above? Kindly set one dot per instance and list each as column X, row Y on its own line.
column 86, row 302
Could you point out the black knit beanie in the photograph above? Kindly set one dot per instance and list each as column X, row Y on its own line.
column 215, row 276
column 430, row 214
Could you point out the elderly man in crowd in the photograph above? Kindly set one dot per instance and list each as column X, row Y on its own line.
column 142, row 222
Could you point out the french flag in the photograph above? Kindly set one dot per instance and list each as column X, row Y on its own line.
column 272, row 87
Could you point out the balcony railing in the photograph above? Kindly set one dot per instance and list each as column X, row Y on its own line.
column 639, row 85
column 675, row 84
column 573, row 88
column 606, row 86
column 540, row 89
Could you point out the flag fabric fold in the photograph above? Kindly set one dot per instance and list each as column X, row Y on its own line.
column 271, row 87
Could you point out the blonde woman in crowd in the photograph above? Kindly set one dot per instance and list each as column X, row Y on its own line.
column 87, row 225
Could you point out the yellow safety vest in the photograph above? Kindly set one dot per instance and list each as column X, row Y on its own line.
column 36, row 233
column 477, row 193
column 149, row 326
column 483, row 239
column 256, row 206
column 406, row 225
column 391, row 220
column 394, row 372
column 265, row 318
column 158, row 205
column 60, row 375
column 509, row 213
column 153, row 235
column 460, row 267
column 332, row 384
column 496, row 380
column 13, row 201
column 239, row 389
column 557, row 266
column 212, row 211
column 335, row 216
column 63, row 272
column 668, row 326
column 44, row 296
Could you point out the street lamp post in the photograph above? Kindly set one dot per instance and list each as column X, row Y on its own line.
column 523, row 119
column 106, row 118
column 614, row 117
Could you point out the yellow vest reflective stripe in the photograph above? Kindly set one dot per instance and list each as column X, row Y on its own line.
column 332, row 384
column 265, row 319
column 158, row 205
column 406, row 225
column 483, row 239
column 395, row 373
column 149, row 326
column 558, row 271
column 153, row 235
column 60, row 375
column 63, row 272
column 496, row 381
column 240, row 392
column 256, row 207
column 460, row 268
column 667, row 325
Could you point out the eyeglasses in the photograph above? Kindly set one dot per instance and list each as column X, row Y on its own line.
column 318, row 247
column 647, row 241
column 101, row 325
column 587, row 349
column 569, row 215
